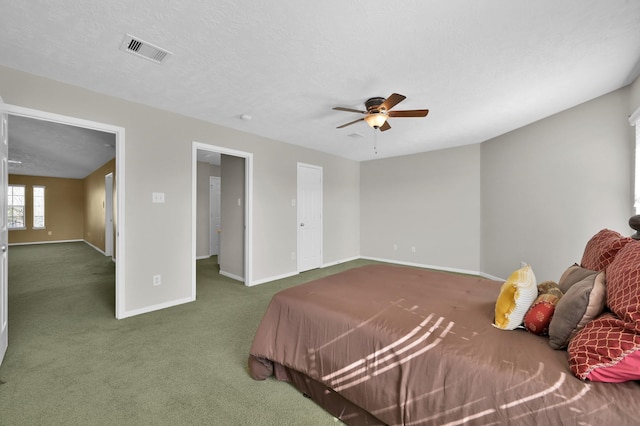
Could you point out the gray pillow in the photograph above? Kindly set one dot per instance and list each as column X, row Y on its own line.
column 574, row 274
column 582, row 302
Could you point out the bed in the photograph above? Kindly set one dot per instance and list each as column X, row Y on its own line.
column 394, row 345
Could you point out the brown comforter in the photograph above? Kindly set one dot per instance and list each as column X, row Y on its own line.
column 394, row 345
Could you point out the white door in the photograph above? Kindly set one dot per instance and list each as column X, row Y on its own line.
column 309, row 217
column 214, row 215
column 108, row 215
column 4, row 237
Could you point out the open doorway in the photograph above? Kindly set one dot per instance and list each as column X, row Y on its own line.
column 118, row 135
column 236, row 187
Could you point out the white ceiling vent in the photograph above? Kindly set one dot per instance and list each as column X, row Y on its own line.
column 143, row 49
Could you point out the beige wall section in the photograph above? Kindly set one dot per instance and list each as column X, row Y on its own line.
column 232, row 216
column 429, row 201
column 158, row 236
column 64, row 205
column 634, row 96
column 548, row 187
column 94, row 206
column 341, row 215
column 203, row 172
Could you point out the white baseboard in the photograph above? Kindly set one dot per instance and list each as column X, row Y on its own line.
column 94, row 247
column 232, row 276
column 202, row 257
column 274, row 278
column 291, row 274
column 437, row 268
column 46, row 242
column 490, row 277
column 376, row 259
column 337, row 262
column 59, row 242
column 147, row 309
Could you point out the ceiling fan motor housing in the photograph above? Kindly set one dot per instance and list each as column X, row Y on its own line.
column 373, row 104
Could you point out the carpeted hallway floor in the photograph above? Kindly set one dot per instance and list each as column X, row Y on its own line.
column 70, row 362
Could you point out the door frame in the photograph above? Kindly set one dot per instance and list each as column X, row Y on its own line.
column 4, row 235
column 119, row 133
column 248, row 207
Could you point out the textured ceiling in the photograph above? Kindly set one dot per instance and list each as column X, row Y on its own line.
column 483, row 67
column 43, row 148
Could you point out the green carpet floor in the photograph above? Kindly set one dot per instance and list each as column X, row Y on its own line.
column 70, row 362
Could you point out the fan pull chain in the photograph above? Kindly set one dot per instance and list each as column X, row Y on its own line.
column 375, row 141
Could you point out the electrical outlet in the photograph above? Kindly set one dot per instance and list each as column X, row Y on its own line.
column 157, row 280
column 395, row 247
column 157, row 197
column 413, row 249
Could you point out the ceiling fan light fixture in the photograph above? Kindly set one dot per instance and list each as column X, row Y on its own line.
column 376, row 119
column 378, row 112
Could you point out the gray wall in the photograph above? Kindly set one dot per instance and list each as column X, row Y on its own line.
column 341, row 213
column 158, row 237
column 536, row 194
column 232, row 212
column 429, row 201
column 548, row 187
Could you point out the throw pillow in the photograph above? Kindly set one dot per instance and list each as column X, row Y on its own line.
column 539, row 315
column 516, row 296
column 602, row 248
column 549, row 287
column 574, row 274
column 584, row 301
column 605, row 351
column 623, row 285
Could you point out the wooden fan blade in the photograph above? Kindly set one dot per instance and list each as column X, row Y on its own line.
column 409, row 113
column 350, row 123
column 385, row 126
column 392, row 101
column 349, row 110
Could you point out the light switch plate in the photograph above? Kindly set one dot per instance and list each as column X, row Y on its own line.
column 157, row 197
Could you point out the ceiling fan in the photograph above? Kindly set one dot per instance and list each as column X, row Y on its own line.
column 379, row 110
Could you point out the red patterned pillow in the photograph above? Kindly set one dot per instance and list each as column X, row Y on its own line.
column 602, row 248
column 623, row 285
column 605, row 351
column 538, row 317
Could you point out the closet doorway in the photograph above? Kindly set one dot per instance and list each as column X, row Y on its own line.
column 236, row 189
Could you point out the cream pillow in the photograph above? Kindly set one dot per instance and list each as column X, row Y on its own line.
column 516, row 297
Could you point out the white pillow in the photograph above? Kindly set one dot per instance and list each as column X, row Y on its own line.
column 516, row 297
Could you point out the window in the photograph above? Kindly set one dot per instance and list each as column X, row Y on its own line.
column 38, row 207
column 15, row 205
